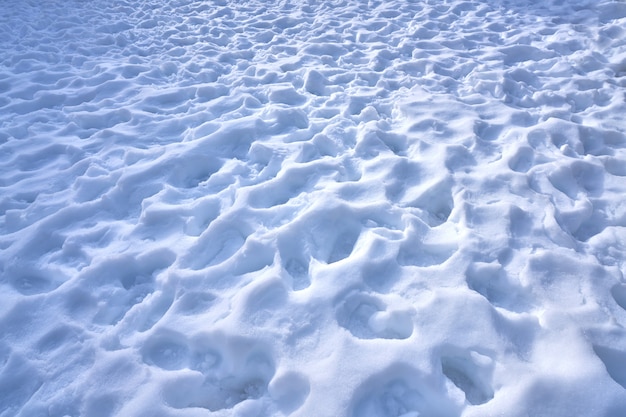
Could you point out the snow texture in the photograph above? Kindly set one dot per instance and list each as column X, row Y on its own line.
column 313, row 208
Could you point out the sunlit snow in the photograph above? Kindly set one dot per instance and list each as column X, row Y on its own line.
column 312, row 208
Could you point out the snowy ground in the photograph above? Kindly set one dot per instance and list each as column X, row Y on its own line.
column 340, row 208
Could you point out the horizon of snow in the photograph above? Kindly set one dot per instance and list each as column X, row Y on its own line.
column 300, row 208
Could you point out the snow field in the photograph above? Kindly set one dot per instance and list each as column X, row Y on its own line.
column 372, row 209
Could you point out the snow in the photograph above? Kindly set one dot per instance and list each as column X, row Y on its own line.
column 299, row 208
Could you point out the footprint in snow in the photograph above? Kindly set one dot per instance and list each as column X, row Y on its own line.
column 471, row 373
column 368, row 317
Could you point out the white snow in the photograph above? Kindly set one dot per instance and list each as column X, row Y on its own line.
column 313, row 208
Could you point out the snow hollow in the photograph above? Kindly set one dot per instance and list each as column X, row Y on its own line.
column 312, row 208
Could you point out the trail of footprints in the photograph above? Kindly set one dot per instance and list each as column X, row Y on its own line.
column 401, row 390
column 242, row 104
column 227, row 370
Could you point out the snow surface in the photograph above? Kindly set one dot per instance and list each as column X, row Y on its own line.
column 313, row 208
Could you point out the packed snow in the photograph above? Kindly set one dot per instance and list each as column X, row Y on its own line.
column 313, row 208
